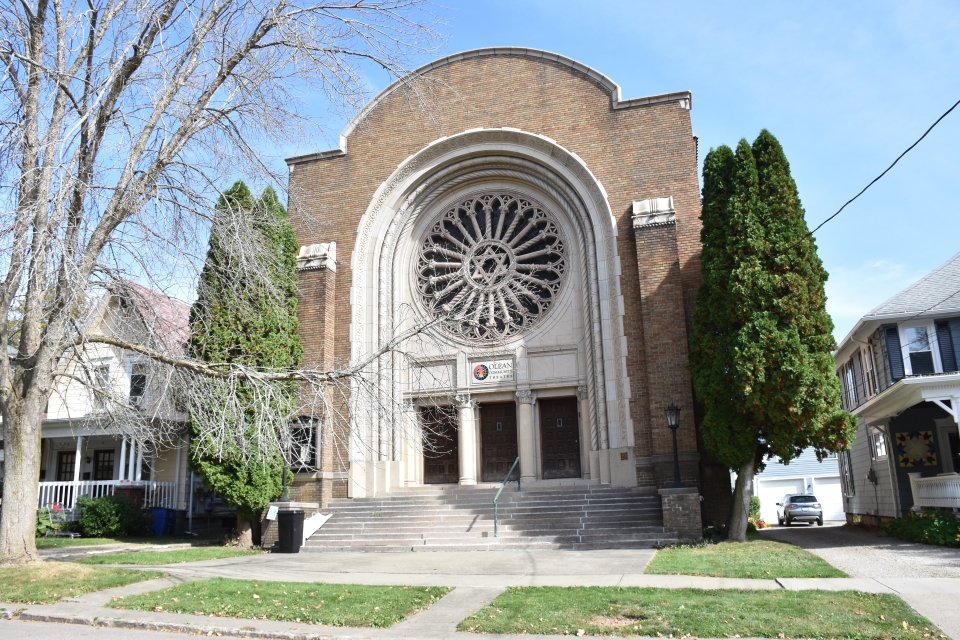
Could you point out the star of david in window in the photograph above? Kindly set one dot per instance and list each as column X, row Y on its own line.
column 491, row 267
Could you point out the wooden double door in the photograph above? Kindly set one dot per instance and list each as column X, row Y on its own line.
column 441, row 453
column 498, row 437
column 560, row 438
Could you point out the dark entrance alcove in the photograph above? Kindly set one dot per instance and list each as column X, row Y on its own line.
column 560, row 438
column 498, row 433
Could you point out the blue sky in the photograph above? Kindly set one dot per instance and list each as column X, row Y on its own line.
column 846, row 87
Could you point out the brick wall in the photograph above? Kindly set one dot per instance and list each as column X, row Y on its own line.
column 640, row 152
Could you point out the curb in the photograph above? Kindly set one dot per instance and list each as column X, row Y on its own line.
column 120, row 623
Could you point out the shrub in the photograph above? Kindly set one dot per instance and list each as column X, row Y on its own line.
column 930, row 527
column 43, row 522
column 112, row 516
column 755, row 507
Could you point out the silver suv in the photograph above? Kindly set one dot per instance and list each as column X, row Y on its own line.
column 799, row 508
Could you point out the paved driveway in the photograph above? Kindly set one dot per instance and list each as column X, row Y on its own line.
column 863, row 553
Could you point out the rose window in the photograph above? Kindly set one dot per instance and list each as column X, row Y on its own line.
column 491, row 267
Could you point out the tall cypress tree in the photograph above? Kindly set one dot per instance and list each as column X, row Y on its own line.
column 247, row 323
column 762, row 338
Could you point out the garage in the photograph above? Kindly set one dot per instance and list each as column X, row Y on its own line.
column 770, row 491
column 830, row 495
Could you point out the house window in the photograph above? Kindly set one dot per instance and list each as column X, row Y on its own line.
column 878, row 444
column 868, row 367
column 849, row 381
column 103, row 465
column 101, row 379
column 920, row 350
column 65, row 462
column 138, row 384
column 846, row 473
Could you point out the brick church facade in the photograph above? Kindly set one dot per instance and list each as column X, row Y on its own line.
column 557, row 226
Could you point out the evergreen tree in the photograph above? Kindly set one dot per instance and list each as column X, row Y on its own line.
column 235, row 321
column 760, row 353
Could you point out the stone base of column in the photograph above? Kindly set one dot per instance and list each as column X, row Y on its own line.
column 681, row 512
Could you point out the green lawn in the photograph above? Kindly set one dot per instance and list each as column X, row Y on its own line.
column 758, row 557
column 50, row 581
column 173, row 556
column 701, row 613
column 58, row 543
column 307, row 602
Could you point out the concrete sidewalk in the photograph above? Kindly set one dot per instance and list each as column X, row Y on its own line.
column 477, row 578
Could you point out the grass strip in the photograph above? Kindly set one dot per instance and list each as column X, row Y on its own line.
column 173, row 556
column 723, row 613
column 59, row 543
column 48, row 582
column 342, row 605
column 758, row 557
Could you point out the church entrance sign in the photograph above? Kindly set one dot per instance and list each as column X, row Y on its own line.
column 491, row 371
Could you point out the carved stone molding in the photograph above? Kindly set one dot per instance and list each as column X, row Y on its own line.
column 582, row 391
column 655, row 212
column 525, row 396
column 464, row 401
column 318, row 256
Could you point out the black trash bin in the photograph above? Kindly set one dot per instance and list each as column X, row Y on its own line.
column 290, row 530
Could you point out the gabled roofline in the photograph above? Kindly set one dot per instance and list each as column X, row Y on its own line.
column 611, row 87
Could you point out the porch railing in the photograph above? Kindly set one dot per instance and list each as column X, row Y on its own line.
column 65, row 494
column 941, row 491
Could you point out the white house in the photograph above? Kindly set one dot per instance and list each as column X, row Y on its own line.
column 84, row 450
column 900, row 378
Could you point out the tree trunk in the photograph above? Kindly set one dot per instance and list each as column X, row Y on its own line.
column 257, row 533
column 244, row 532
column 21, row 459
column 740, row 510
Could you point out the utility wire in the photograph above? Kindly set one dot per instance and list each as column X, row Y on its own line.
column 945, row 114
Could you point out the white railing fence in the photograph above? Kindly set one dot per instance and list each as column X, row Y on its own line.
column 941, row 491
column 64, row 494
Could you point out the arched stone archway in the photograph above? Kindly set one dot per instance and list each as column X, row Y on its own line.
column 592, row 350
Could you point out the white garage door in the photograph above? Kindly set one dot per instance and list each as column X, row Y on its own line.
column 771, row 491
column 830, row 495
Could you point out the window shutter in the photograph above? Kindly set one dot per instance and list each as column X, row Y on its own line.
column 948, row 355
column 894, row 355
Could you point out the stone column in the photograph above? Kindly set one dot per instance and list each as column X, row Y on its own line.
column 467, row 445
column 586, row 433
column 526, row 435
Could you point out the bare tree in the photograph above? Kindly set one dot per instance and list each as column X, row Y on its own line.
column 117, row 118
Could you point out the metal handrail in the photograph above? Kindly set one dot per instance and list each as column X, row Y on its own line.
column 496, row 531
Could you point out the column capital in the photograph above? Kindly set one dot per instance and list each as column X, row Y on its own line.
column 582, row 391
column 464, row 401
column 655, row 212
column 526, row 396
column 318, row 256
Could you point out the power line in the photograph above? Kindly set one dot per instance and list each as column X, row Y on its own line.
column 945, row 114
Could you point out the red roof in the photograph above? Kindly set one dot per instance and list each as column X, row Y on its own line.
column 168, row 318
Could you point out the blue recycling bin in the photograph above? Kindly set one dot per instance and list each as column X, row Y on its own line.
column 163, row 521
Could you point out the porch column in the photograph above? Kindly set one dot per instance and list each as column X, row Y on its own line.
column 526, row 435
column 132, row 460
column 123, row 460
column 77, row 460
column 468, row 440
column 138, row 470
